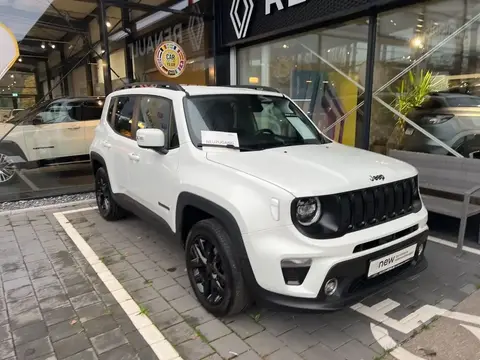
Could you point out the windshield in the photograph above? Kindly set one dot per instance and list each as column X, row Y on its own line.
column 21, row 116
column 260, row 122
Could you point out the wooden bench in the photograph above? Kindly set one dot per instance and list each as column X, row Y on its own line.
column 450, row 184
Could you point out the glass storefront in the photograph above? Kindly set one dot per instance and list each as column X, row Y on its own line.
column 52, row 98
column 426, row 80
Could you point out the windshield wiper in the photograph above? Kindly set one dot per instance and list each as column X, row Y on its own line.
column 241, row 148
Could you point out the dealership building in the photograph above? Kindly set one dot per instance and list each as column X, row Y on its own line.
column 351, row 65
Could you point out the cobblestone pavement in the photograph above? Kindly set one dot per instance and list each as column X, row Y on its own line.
column 47, row 283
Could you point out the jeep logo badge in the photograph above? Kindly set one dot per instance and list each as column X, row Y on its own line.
column 377, row 177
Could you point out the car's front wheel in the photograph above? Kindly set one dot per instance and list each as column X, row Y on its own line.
column 213, row 271
column 8, row 170
column 107, row 205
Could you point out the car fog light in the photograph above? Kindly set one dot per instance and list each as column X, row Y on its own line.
column 331, row 286
column 296, row 262
column 421, row 248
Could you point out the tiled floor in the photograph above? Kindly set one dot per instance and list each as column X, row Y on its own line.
column 55, row 305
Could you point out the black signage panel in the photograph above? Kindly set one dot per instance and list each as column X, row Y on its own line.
column 253, row 19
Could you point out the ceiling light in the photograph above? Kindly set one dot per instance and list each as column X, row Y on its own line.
column 12, row 76
column 20, row 60
column 108, row 24
column 52, row 46
column 43, row 45
column 285, row 46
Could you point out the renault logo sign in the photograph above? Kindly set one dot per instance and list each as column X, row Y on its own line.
column 241, row 22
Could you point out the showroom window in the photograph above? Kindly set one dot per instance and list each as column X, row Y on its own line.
column 426, row 79
column 319, row 70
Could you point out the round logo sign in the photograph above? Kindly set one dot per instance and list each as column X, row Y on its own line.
column 170, row 59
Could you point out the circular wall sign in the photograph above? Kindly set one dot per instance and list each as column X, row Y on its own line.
column 170, row 59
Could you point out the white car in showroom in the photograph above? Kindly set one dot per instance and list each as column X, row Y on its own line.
column 267, row 207
column 53, row 132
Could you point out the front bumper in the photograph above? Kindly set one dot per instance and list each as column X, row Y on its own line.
column 353, row 282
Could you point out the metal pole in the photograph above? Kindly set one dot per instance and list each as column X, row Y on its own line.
column 128, row 53
column 102, row 20
column 369, row 76
column 48, row 73
column 64, row 84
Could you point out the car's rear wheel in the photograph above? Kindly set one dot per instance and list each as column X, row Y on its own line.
column 213, row 271
column 107, row 205
column 8, row 170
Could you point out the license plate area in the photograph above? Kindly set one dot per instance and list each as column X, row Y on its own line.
column 391, row 261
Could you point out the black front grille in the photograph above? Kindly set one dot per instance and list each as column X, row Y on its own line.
column 360, row 209
column 372, row 206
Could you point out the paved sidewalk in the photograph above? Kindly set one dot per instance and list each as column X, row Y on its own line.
column 53, row 306
column 47, row 283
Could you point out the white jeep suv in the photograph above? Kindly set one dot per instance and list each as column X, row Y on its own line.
column 267, row 207
column 55, row 131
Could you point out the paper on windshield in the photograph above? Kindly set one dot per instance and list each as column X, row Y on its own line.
column 300, row 126
column 217, row 139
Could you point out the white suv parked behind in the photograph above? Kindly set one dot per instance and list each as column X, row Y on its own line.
column 267, row 207
column 56, row 131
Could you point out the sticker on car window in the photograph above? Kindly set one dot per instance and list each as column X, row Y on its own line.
column 219, row 139
column 301, row 127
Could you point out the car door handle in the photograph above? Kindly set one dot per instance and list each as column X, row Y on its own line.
column 134, row 157
column 74, row 128
column 106, row 144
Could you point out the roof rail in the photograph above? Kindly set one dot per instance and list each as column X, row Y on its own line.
column 156, row 84
column 256, row 87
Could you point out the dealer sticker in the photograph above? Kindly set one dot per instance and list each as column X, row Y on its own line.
column 391, row 261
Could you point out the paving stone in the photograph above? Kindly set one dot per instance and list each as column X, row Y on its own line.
column 136, row 340
column 88, row 354
column 194, row 350
column 147, row 354
column 179, row 333
column 19, row 293
column 197, row 316
column 11, row 275
column 59, row 315
column 136, row 258
column 144, row 265
column 108, row 341
column 173, row 292
column 213, row 330
column 321, row 351
column 354, row 350
column 184, row 303
column 16, row 283
column 34, row 349
column 5, row 332
column 90, row 312
column 35, row 257
column 29, row 333
column 244, row 326
column 21, row 305
column 124, row 352
column 153, row 273
column 277, row 324
column 135, row 284
column 264, row 343
column 156, row 305
column 49, row 291
column 64, row 330
column 99, row 325
column 3, row 317
column 298, row 340
column 79, row 288
column 144, row 295
column 362, row 332
column 45, row 281
column 251, row 355
column 166, row 319
column 230, row 346
column 163, row 282
column 84, row 300
column 214, row 357
column 26, row 318
column 6, row 349
column 54, row 302
column 71, row 345
column 125, row 323
column 331, row 337
column 128, row 275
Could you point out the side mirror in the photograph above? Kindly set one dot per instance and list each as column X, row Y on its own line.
column 151, row 139
column 37, row 120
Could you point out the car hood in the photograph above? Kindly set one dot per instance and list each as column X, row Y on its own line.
column 316, row 169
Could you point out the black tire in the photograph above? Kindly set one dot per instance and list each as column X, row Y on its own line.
column 107, row 206
column 7, row 178
column 235, row 298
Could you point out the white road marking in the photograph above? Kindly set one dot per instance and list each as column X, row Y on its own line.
column 27, row 180
column 385, row 341
column 474, row 330
column 154, row 338
column 453, row 245
column 48, row 207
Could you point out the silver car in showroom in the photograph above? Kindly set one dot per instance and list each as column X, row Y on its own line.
column 453, row 118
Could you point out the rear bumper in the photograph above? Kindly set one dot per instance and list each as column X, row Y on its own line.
column 353, row 282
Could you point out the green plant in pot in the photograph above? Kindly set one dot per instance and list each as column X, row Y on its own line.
column 410, row 94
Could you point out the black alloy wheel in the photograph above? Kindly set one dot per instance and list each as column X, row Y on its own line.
column 103, row 195
column 107, row 206
column 212, row 269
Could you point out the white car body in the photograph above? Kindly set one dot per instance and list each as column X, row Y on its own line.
column 256, row 189
column 59, row 138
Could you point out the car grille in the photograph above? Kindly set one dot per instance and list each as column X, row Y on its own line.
column 368, row 207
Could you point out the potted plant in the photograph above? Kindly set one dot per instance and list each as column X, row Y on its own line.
column 410, row 94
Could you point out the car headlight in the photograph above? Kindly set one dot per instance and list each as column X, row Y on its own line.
column 308, row 211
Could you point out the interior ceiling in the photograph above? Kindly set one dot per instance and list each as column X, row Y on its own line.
column 74, row 9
